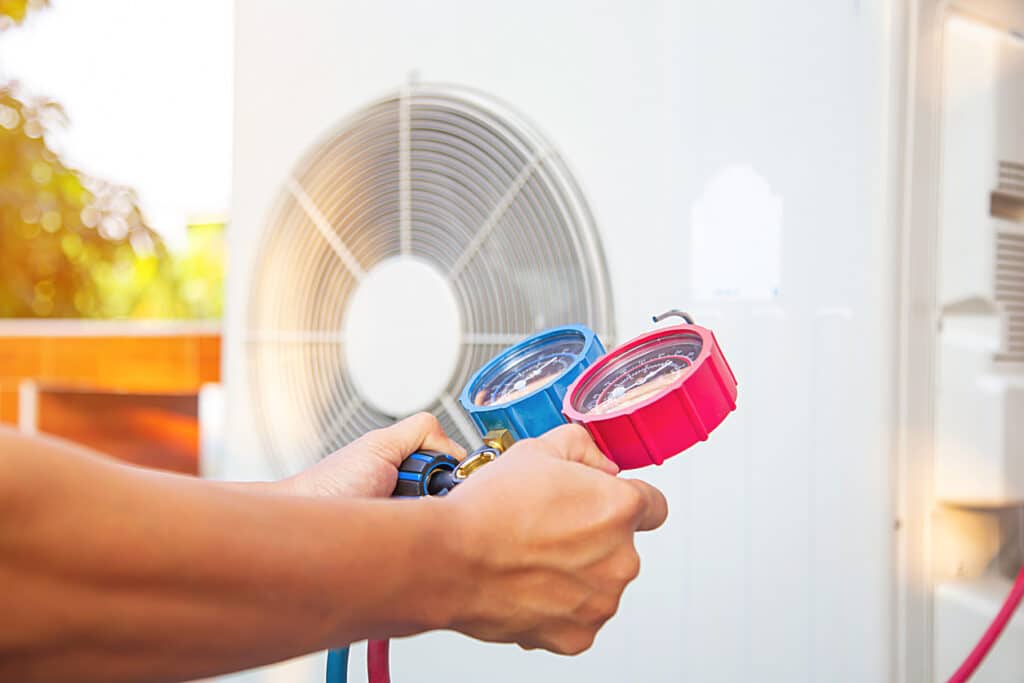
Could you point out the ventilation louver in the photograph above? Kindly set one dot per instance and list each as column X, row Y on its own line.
column 441, row 173
column 1007, row 202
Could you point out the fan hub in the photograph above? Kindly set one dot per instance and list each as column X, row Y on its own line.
column 402, row 332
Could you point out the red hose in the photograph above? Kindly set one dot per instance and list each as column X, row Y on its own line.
column 377, row 668
column 995, row 629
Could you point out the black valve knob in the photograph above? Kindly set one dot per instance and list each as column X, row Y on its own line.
column 425, row 473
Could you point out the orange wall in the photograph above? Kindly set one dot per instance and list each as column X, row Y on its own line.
column 153, row 430
column 119, row 357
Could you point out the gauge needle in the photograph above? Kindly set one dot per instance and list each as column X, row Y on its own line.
column 538, row 370
column 650, row 375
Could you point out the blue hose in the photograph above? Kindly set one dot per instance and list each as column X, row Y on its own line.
column 337, row 665
column 416, row 476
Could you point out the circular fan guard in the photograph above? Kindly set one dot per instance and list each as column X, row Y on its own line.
column 441, row 173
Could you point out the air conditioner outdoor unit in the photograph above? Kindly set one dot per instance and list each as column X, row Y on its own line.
column 418, row 184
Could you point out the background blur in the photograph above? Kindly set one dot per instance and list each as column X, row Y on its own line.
column 115, row 153
column 835, row 187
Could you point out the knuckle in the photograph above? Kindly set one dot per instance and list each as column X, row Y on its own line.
column 527, row 446
column 428, row 419
column 625, row 568
column 372, row 437
column 632, row 566
column 607, row 608
column 568, row 432
column 601, row 607
column 537, row 447
column 575, row 432
column 578, row 642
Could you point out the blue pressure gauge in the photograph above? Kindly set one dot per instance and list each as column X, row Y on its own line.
column 521, row 389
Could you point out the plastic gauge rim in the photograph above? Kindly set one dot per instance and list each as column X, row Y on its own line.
column 539, row 410
column 652, row 429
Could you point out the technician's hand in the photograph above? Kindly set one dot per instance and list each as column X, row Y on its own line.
column 368, row 467
column 548, row 531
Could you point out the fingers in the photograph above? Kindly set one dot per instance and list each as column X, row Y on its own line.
column 570, row 641
column 434, row 437
column 573, row 442
column 650, row 508
column 421, row 431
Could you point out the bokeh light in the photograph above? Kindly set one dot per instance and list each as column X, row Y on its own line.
column 75, row 245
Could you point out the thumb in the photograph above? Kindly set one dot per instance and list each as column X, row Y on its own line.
column 573, row 442
column 421, row 431
column 652, row 510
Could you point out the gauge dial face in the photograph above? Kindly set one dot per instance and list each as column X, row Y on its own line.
column 638, row 373
column 528, row 369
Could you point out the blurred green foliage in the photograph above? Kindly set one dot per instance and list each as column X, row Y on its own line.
column 76, row 246
column 199, row 270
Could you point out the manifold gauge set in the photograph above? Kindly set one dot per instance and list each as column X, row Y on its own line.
column 644, row 402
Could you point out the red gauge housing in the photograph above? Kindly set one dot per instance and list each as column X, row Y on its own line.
column 654, row 396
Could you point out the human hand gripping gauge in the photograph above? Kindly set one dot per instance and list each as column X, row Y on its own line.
column 516, row 395
column 649, row 399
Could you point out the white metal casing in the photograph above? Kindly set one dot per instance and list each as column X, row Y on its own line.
column 980, row 384
column 963, row 610
column 678, row 119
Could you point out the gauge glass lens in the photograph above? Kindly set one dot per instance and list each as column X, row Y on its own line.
column 528, row 369
column 638, row 373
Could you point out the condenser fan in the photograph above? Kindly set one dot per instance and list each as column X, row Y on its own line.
column 426, row 233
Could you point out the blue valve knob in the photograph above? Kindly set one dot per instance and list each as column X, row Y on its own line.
column 521, row 389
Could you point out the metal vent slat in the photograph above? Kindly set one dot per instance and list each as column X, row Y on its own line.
column 447, row 175
column 1006, row 260
column 1009, row 239
column 1009, row 248
column 1007, row 202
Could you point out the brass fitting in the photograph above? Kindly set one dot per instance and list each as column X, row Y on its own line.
column 499, row 439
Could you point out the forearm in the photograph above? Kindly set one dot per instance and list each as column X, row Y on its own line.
column 134, row 575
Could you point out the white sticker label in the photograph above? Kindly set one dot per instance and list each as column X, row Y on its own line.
column 736, row 238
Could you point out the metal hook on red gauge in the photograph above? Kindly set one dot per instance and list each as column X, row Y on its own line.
column 654, row 396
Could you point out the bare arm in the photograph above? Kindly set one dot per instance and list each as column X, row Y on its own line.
column 111, row 573
column 137, row 575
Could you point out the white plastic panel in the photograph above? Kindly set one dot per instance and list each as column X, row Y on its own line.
column 979, row 432
column 211, row 429
column 983, row 107
column 980, row 380
column 775, row 564
column 963, row 611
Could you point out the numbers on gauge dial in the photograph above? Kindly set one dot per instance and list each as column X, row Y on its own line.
column 639, row 373
column 530, row 370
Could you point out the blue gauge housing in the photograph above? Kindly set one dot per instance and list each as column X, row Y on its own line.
column 521, row 389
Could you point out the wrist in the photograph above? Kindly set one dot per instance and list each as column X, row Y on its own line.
column 458, row 555
column 294, row 485
column 282, row 487
column 444, row 567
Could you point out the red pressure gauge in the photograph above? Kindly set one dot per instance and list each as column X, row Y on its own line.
column 654, row 396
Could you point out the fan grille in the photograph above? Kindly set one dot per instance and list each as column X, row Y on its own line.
column 441, row 173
